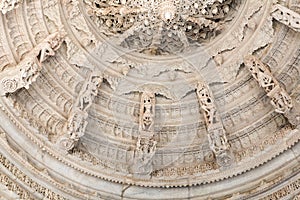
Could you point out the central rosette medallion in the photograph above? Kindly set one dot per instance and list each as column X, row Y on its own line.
column 160, row 27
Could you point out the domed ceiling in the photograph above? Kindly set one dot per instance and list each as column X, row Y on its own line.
column 149, row 99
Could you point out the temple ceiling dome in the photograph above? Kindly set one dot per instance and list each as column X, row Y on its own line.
column 149, row 99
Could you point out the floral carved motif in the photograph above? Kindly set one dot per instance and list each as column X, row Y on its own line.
column 160, row 27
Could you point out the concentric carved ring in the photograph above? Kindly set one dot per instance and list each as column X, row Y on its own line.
column 9, row 85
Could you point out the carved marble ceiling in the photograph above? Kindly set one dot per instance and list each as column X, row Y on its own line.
column 149, row 99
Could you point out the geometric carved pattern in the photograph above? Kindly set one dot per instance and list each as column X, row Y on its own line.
column 160, row 27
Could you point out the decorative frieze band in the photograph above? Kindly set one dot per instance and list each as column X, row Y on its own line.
column 26, row 181
column 27, row 71
column 77, row 121
column 287, row 191
column 216, row 132
column 286, row 17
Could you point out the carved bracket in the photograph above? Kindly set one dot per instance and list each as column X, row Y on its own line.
column 216, row 132
column 8, row 5
column 146, row 145
column 27, row 71
column 77, row 121
column 280, row 99
column 286, row 17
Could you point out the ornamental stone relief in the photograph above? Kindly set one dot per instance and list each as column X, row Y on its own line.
column 161, row 27
column 149, row 99
column 8, row 5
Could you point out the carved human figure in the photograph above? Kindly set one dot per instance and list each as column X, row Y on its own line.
column 76, row 124
column 146, row 145
column 260, row 73
column 218, row 140
column 147, row 121
column 77, row 120
column 144, row 153
column 280, row 99
column 29, row 72
column 216, row 133
column 28, row 69
column 282, row 102
column 147, row 111
column 51, row 44
column 89, row 91
column 45, row 52
column 265, row 81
